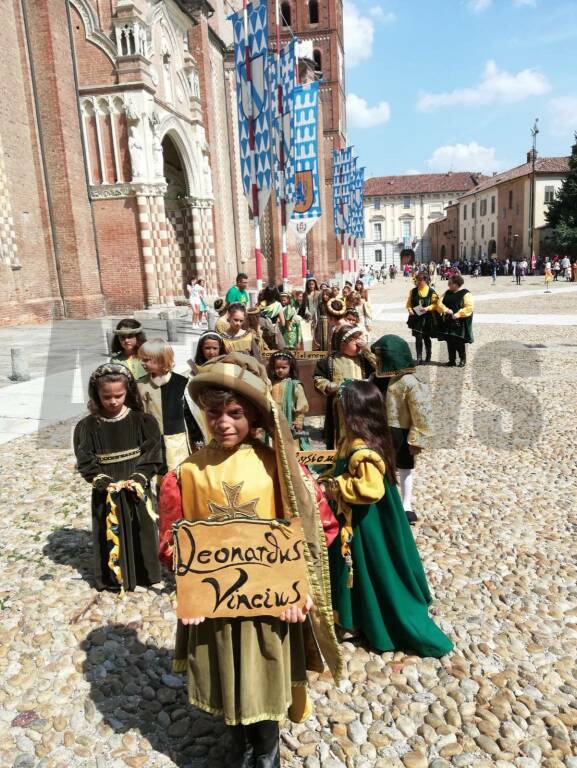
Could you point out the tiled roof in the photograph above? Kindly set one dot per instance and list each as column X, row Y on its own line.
column 542, row 165
column 421, row 183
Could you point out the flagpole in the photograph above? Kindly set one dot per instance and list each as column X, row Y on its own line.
column 303, row 247
column 280, row 107
column 251, row 142
column 342, row 231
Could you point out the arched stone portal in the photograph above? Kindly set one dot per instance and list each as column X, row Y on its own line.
column 179, row 223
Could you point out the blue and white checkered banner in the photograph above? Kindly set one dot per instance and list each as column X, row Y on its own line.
column 307, row 205
column 358, row 223
column 282, row 124
column 253, row 100
column 342, row 173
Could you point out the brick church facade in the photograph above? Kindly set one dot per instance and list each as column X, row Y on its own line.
column 119, row 171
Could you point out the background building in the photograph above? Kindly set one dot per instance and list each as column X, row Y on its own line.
column 116, row 138
column 119, row 157
column 399, row 210
column 495, row 217
column 443, row 235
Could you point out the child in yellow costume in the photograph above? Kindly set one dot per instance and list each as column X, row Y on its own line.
column 252, row 670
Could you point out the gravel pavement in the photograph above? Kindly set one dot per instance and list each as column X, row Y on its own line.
column 85, row 677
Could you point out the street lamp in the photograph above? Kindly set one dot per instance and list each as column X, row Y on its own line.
column 534, row 132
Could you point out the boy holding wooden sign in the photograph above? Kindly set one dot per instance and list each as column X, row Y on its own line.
column 253, row 591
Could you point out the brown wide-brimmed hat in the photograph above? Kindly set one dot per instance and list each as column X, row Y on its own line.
column 238, row 373
column 336, row 307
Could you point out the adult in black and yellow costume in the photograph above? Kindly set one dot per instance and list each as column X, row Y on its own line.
column 251, row 670
column 349, row 360
column 457, row 326
column 119, row 456
column 423, row 308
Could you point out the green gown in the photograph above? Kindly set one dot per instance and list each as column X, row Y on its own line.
column 389, row 599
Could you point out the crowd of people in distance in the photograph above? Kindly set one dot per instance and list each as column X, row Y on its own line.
column 158, row 447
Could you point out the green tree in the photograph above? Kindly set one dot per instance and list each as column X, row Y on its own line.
column 562, row 212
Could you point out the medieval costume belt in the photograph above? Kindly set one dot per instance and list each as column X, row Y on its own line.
column 118, row 456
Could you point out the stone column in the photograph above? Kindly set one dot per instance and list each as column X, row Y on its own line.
column 163, row 265
column 201, row 215
column 147, row 245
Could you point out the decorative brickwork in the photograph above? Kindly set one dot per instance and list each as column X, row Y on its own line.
column 8, row 245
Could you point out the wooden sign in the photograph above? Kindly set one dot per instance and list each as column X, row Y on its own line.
column 316, row 457
column 239, row 567
column 299, row 354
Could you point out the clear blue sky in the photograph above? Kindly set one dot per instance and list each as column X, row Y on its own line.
column 457, row 84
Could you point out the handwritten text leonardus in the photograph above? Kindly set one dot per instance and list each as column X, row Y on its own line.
column 239, row 568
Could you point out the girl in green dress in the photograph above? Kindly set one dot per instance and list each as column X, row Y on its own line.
column 291, row 331
column 289, row 394
column 378, row 583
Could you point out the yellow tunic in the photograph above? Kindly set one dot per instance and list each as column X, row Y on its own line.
column 243, row 669
column 222, row 326
column 434, row 306
column 242, row 343
column 343, row 368
column 132, row 363
column 206, row 477
column 409, row 407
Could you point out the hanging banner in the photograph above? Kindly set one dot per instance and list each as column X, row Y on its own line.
column 358, row 215
column 342, row 166
column 307, row 201
column 282, row 128
column 253, row 101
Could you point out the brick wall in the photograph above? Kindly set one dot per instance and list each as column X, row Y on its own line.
column 93, row 66
column 120, row 258
column 30, row 294
column 58, row 111
column 514, row 217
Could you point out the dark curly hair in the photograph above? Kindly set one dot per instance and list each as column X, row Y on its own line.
column 199, row 357
column 282, row 356
column 127, row 324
